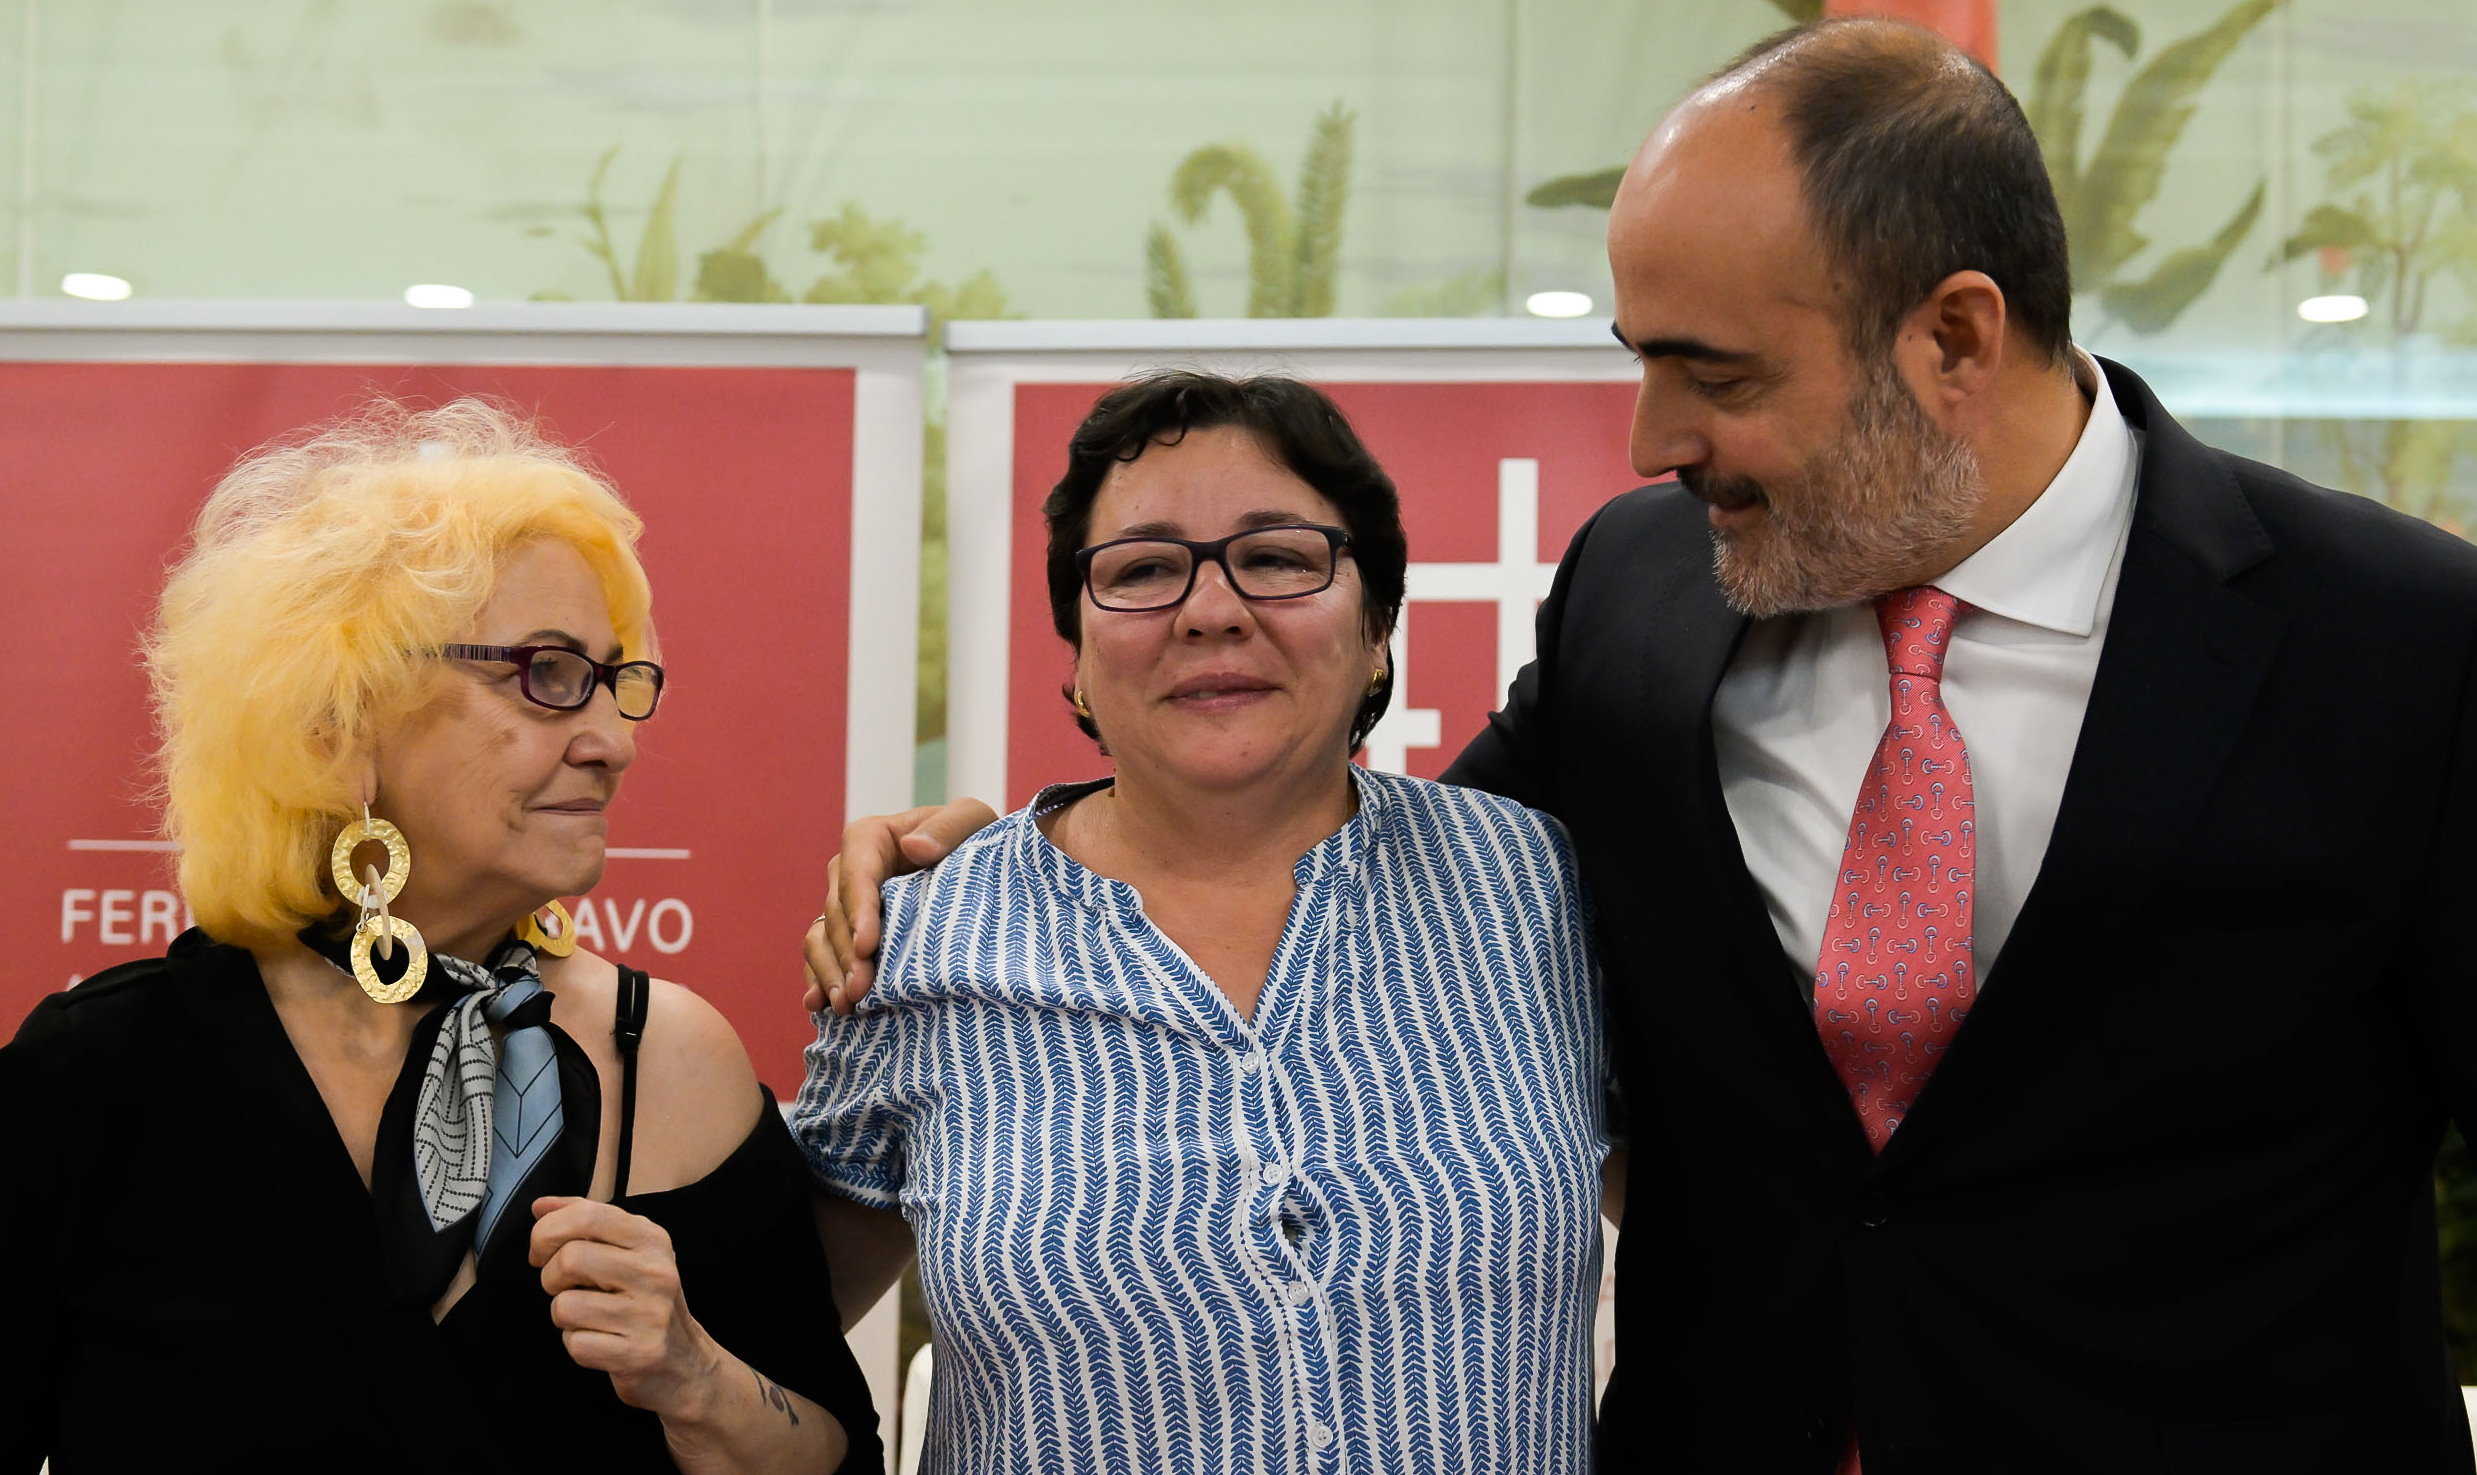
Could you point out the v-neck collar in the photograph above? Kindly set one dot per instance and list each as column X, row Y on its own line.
column 1324, row 874
column 262, row 1045
column 258, row 1028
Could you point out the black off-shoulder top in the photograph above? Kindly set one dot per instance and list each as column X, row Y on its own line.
column 191, row 1275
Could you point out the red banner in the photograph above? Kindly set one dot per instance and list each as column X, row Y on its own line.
column 1494, row 479
column 744, row 477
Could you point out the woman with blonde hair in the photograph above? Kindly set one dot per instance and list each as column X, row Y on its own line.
column 371, row 1171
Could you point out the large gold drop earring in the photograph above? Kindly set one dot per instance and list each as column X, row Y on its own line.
column 377, row 927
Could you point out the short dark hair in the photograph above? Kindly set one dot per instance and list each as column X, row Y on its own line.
column 1296, row 425
column 1916, row 163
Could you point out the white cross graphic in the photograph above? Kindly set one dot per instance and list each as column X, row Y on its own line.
column 1515, row 583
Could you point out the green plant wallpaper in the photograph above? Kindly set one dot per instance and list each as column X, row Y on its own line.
column 1293, row 246
column 2104, row 194
column 2396, row 224
column 1101, row 158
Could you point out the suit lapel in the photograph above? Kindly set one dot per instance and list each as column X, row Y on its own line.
column 2186, row 655
column 1694, row 633
column 1698, row 634
column 1693, row 636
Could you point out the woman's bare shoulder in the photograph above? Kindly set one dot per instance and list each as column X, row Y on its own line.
column 696, row 1091
column 584, row 987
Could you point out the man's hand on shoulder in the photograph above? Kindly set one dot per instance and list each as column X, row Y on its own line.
column 841, row 947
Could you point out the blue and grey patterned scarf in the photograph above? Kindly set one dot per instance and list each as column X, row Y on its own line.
column 488, row 1109
column 489, row 1106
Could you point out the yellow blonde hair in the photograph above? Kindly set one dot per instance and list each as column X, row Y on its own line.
column 297, row 627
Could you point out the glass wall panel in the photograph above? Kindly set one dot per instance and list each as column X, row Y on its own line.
column 246, row 148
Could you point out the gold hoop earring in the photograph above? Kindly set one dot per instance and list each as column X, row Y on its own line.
column 552, row 935
column 416, row 960
column 359, row 833
column 1080, row 709
column 378, row 928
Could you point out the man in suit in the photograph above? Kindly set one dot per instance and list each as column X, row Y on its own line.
column 2028, row 844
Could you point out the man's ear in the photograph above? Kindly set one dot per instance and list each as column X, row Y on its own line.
column 1952, row 344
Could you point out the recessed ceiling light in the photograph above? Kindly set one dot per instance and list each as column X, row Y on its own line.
column 1557, row 304
column 2344, row 309
column 437, row 294
column 94, row 286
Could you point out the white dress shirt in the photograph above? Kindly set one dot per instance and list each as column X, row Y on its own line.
column 1804, row 704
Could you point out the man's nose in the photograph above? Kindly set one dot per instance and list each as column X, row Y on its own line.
column 1667, row 433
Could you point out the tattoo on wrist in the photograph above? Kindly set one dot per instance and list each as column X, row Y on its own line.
column 775, row 1397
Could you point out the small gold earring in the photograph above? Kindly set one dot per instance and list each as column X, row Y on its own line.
column 1376, row 683
column 377, row 927
column 550, row 931
column 1080, row 709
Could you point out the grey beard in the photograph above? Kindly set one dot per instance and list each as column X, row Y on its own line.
column 1855, row 522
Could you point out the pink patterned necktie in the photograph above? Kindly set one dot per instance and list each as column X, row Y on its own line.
column 1895, row 979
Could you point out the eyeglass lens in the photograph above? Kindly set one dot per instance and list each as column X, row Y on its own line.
column 565, row 679
column 1277, row 563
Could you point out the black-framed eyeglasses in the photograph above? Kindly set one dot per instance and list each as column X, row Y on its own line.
column 1134, row 575
column 563, row 679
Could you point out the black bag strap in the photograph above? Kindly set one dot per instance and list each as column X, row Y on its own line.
column 628, row 1030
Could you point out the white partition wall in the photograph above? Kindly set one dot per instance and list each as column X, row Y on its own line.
column 774, row 452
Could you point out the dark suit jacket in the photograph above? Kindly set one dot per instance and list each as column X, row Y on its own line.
column 2167, row 1205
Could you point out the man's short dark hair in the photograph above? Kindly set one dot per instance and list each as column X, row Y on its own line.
column 1295, row 425
column 1917, row 163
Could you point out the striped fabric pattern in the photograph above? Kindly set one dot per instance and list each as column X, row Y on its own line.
column 1358, row 1232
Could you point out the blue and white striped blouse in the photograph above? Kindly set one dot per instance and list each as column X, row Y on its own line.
column 1357, row 1233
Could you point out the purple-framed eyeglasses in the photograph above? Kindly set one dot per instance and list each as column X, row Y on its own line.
column 563, row 679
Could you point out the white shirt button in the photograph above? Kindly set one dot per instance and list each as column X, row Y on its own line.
column 1251, row 1062
column 1319, row 1435
column 1299, row 1292
column 1276, row 1174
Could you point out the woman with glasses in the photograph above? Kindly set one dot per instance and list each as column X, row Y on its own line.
column 1245, row 1107
column 375, row 1170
